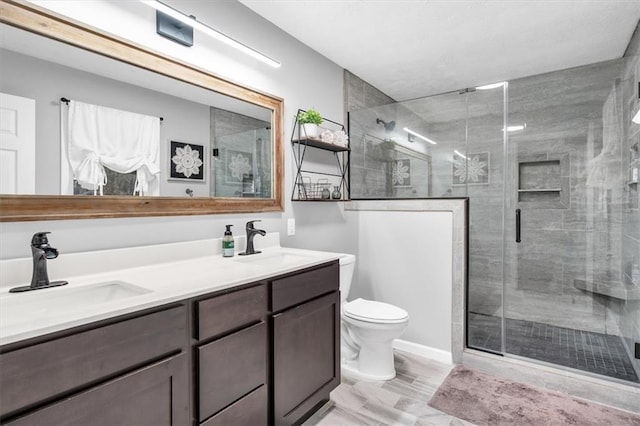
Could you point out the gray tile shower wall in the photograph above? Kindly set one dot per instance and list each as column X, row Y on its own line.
column 375, row 158
column 368, row 164
column 630, row 311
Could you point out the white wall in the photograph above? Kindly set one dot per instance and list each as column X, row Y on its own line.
column 405, row 258
column 305, row 80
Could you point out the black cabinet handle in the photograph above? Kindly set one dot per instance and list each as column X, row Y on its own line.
column 517, row 225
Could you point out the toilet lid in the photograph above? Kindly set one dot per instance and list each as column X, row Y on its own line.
column 371, row 311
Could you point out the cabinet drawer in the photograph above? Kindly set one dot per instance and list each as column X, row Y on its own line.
column 231, row 367
column 250, row 410
column 153, row 395
column 230, row 311
column 295, row 289
column 44, row 370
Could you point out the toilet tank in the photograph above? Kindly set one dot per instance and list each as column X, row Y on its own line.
column 347, row 266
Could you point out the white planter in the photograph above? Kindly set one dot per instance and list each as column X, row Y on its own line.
column 309, row 130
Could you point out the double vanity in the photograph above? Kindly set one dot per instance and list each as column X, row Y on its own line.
column 162, row 336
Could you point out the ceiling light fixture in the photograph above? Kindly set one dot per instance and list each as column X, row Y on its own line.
column 193, row 22
column 418, row 135
column 459, row 154
column 491, row 86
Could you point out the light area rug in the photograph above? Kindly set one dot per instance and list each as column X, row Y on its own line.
column 488, row 400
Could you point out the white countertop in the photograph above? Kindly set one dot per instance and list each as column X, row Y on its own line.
column 158, row 279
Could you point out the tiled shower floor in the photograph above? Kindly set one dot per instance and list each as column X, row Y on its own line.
column 583, row 350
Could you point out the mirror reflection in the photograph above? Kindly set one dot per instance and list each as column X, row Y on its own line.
column 74, row 122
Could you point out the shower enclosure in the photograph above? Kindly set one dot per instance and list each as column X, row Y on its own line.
column 554, row 236
column 243, row 164
column 242, row 157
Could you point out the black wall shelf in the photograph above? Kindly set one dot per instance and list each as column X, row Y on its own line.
column 312, row 184
column 318, row 143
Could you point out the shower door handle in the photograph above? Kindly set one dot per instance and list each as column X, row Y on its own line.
column 517, row 225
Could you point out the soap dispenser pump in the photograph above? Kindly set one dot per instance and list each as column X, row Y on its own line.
column 228, row 246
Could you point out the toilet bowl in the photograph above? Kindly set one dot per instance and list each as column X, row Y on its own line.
column 368, row 329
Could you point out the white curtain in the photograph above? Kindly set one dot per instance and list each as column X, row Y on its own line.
column 122, row 141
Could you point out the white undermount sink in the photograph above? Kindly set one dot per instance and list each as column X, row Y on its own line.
column 31, row 305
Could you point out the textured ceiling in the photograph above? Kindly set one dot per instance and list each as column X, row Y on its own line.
column 414, row 48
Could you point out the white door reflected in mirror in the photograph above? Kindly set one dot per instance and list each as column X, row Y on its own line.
column 17, row 145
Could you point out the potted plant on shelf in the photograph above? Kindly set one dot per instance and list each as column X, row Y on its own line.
column 309, row 121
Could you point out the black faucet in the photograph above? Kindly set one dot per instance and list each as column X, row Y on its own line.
column 251, row 232
column 41, row 251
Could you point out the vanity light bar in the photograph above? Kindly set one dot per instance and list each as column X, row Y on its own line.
column 193, row 22
column 418, row 135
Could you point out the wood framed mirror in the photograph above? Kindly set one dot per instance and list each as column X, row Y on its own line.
column 24, row 16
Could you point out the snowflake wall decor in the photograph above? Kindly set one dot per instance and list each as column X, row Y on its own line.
column 474, row 170
column 186, row 161
column 238, row 166
column 400, row 173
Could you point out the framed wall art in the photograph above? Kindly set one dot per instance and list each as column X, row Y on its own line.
column 238, row 166
column 400, row 173
column 186, row 162
column 472, row 170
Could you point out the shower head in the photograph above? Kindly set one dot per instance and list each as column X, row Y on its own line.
column 388, row 127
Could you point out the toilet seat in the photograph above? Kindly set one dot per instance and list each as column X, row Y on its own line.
column 375, row 312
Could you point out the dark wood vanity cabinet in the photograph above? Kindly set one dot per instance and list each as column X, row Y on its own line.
column 124, row 371
column 306, row 342
column 264, row 353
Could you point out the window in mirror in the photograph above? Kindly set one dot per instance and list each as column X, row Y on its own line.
column 116, row 184
column 94, row 139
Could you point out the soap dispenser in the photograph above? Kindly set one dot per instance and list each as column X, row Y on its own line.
column 228, row 246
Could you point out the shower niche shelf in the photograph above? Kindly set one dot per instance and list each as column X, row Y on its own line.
column 543, row 181
column 316, row 171
column 540, row 190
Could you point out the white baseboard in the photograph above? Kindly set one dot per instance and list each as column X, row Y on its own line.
column 423, row 351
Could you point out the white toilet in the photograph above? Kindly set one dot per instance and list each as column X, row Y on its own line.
column 368, row 330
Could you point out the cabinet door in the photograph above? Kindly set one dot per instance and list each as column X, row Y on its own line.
column 306, row 358
column 152, row 396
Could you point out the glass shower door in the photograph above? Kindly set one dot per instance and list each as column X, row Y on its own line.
column 482, row 163
column 564, row 267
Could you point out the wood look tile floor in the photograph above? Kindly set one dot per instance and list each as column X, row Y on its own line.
column 401, row 401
